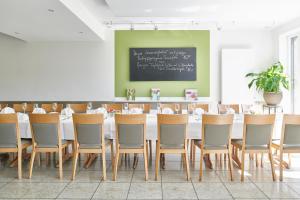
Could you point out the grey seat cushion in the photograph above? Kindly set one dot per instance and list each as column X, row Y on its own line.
column 93, row 146
column 23, row 141
column 211, row 147
column 51, row 145
column 287, row 146
column 171, row 146
column 8, row 135
column 252, row 147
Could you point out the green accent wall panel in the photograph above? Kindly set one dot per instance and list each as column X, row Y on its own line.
column 125, row 39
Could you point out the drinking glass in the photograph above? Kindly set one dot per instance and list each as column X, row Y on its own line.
column 158, row 108
column 125, row 107
column 89, row 106
column 143, row 108
column 24, row 107
column 35, row 105
column 54, row 107
column 177, row 108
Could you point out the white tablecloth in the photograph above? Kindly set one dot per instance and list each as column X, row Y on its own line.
column 194, row 128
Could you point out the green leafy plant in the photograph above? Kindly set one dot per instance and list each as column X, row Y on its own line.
column 270, row 80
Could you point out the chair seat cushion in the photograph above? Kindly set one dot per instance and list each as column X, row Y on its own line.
column 251, row 147
column 171, row 146
column 93, row 146
column 51, row 146
column 287, row 146
column 210, row 147
column 23, row 141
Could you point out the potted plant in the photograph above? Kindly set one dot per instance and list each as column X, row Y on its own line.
column 270, row 83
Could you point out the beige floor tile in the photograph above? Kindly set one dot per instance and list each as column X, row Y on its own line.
column 178, row 191
column 211, row 191
column 112, row 191
column 79, row 190
column 145, row 191
column 244, row 190
column 277, row 190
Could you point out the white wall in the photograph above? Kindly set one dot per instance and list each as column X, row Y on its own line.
column 85, row 70
column 56, row 70
column 261, row 42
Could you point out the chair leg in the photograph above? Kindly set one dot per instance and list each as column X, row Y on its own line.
column 150, row 150
column 75, row 158
column 201, row 165
column 262, row 160
column 31, row 162
column 191, row 150
column 60, row 162
column 243, row 166
column 281, row 166
column 146, row 162
column 157, row 159
column 256, row 160
column 20, row 163
column 112, row 155
column 290, row 159
column 116, row 165
column 230, row 165
column 104, row 163
column 187, row 167
column 272, row 165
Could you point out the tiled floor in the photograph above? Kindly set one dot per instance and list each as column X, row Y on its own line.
column 130, row 183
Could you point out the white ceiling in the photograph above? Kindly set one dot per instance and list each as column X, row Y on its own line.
column 81, row 20
column 30, row 20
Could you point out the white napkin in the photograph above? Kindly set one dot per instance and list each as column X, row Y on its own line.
column 199, row 111
column 7, row 110
column 167, row 111
column 67, row 112
column 230, row 111
column 23, row 117
column 101, row 110
column 136, row 111
column 39, row 111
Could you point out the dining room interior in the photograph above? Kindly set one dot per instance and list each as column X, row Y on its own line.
column 149, row 99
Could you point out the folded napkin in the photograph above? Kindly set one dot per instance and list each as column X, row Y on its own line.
column 7, row 110
column 67, row 112
column 39, row 111
column 100, row 110
column 23, row 117
column 136, row 111
column 167, row 111
column 199, row 111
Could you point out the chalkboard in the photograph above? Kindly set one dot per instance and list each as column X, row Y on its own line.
column 163, row 64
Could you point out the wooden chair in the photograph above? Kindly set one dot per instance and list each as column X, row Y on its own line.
column 3, row 105
column 113, row 106
column 79, row 107
column 290, row 139
column 10, row 139
column 216, row 138
column 49, row 107
column 130, row 138
column 46, row 137
column 171, row 138
column 19, row 108
column 222, row 108
column 257, row 138
column 89, row 138
column 191, row 107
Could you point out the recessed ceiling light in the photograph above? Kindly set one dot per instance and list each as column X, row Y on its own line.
column 50, row 10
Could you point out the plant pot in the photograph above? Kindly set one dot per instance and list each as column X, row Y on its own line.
column 272, row 98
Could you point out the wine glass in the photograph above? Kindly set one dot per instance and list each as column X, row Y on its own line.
column 158, row 108
column 177, row 108
column 54, row 107
column 35, row 105
column 125, row 107
column 24, row 107
column 89, row 106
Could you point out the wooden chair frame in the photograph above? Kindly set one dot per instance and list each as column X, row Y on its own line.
column 115, row 106
column 13, row 119
column 48, row 107
column 256, row 120
column 18, row 108
column 215, row 120
column 169, row 120
column 49, row 119
column 91, row 119
column 130, row 119
column 79, row 107
column 287, row 119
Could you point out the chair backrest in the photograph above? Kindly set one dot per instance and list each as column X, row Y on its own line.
column 172, row 129
column 48, row 107
column 79, row 107
column 258, row 130
column 9, row 131
column 246, row 108
column 113, row 106
column 216, row 130
column 130, row 130
column 88, row 129
column 222, row 108
column 205, row 107
column 45, row 129
column 290, row 134
column 19, row 108
column 3, row 105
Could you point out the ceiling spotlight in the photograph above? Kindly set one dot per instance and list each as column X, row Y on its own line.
column 131, row 27
column 50, row 10
column 155, row 27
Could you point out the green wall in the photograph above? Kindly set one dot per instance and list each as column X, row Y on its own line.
column 125, row 39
